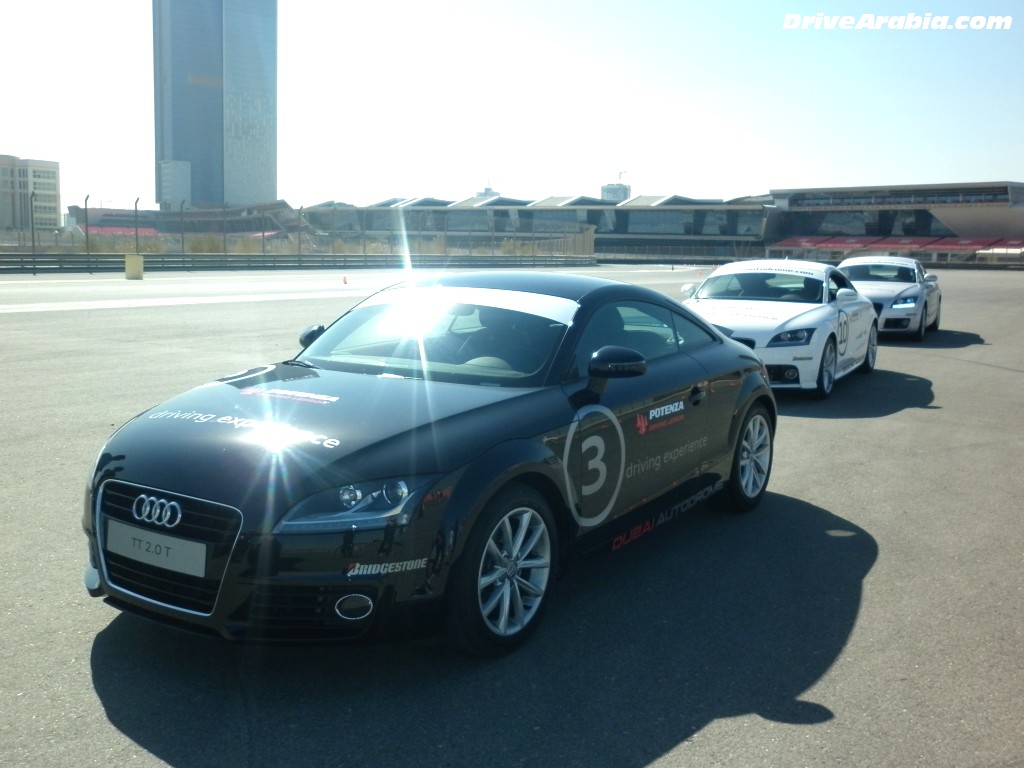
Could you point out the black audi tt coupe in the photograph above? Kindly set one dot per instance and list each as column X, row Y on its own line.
column 434, row 458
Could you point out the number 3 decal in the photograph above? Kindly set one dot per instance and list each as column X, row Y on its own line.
column 595, row 458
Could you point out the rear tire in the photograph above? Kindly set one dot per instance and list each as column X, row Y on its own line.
column 751, row 462
column 499, row 589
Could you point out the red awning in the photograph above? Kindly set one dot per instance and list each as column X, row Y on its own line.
column 850, row 243
column 800, row 241
column 962, row 243
column 1015, row 244
column 903, row 243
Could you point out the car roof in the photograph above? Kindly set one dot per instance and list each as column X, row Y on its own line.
column 792, row 266
column 562, row 284
column 898, row 261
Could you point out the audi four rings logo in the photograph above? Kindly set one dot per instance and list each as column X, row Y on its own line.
column 150, row 509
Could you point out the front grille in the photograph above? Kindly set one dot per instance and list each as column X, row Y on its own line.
column 215, row 525
column 878, row 308
column 749, row 342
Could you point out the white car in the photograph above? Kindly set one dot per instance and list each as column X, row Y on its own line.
column 907, row 299
column 806, row 320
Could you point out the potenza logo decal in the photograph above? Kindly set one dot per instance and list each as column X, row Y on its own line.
column 659, row 418
column 377, row 569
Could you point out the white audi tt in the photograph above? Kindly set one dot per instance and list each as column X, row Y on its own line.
column 906, row 298
column 806, row 320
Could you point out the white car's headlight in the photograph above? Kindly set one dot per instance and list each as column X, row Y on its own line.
column 357, row 506
column 794, row 338
column 904, row 302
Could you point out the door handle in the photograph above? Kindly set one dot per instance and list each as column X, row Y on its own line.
column 697, row 394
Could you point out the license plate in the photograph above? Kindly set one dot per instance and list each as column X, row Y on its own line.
column 157, row 549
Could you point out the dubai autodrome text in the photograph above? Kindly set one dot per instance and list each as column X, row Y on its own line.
column 239, row 422
column 648, row 525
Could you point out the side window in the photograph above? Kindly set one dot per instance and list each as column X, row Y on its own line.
column 647, row 328
column 689, row 335
column 836, row 281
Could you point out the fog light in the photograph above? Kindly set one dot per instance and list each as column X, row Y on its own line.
column 790, row 374
column 354, row 607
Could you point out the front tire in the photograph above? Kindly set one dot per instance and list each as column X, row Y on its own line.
column 499, row 590
column 871, row 356
column 751, row 462
column 919, row 333
column 938, row 316
column 826, row 370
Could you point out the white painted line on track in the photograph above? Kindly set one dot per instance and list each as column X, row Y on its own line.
column 173, row 301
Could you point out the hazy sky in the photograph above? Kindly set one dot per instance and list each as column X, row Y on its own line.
column 441, row 98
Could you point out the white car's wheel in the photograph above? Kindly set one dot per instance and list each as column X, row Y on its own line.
column 826, row 370
column 871, row 356
column 919, row 332
column 938, row 315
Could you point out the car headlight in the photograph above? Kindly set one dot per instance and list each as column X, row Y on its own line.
column 794, row 338
column 904, row 302
column 356, row 506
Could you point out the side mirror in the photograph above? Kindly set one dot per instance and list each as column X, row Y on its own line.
column 614, row 363
column 844, row 295
column 310, row 335
column 688, row 290
column 931, row 278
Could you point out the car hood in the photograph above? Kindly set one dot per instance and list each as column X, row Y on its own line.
column 884, row 290
column 750, row 317
column 300, row 429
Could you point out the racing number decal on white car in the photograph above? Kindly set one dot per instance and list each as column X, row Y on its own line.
column 843, row 332
column 596, row 470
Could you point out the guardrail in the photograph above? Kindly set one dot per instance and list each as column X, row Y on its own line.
column 22, row 263
column 134, row 264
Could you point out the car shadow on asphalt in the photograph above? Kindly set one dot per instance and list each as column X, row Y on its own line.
column 711, row 616
column 940, row 339
column 858, row 396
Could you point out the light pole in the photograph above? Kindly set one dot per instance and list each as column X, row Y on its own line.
column 136, row 225
column 86, row 225
column 181, row 224
column 32, row 219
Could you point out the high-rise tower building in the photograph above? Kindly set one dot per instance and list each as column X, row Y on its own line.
column 215, row 88
column 29, row 194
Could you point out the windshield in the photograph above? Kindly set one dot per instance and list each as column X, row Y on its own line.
column 473, row 336
column 763, row 286
column 883, row 273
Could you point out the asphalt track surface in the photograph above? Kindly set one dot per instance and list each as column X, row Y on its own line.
column 869, row 613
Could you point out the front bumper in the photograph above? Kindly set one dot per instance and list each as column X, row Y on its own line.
column 263, row 586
